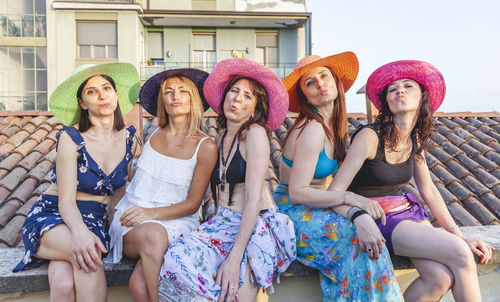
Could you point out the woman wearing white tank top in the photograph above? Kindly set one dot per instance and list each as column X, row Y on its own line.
column 172, row 175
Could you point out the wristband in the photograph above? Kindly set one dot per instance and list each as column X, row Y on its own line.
column 453, row 228
column 351, row 212
column 357, row 214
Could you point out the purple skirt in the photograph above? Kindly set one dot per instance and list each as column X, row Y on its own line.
column 414, row 213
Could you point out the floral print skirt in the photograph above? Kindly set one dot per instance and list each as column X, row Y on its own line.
column 190, row 265
column 328, row 242
column 44, row 215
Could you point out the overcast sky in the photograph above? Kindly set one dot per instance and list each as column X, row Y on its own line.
column 461, row 38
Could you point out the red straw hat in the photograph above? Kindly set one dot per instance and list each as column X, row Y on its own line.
column 226, row 70
column 345, row 66
column 424, row 73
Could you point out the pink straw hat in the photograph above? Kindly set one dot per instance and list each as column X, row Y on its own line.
column 424, row 73
column 226, row 70
column 345, row 66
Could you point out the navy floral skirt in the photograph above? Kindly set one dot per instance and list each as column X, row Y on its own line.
column 44, row 215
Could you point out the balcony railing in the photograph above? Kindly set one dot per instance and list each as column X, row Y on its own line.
column 147, row 71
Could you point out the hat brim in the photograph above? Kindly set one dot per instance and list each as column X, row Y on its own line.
column 424, row 73
column 345, row 66
column 63, row 102
column 149, row 92
column 227, row 70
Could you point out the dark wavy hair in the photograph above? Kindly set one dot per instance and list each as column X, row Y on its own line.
column 84, row 122
column 421, row 133
column 335, row 129
column 261, row 112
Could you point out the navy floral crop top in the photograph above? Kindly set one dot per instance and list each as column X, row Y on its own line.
column 90, row 177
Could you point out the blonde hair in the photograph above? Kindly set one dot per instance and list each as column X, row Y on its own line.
column 196, row 106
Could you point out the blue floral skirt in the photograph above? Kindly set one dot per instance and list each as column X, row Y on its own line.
column 328, row 242
column 44, row 215
column 190, row 265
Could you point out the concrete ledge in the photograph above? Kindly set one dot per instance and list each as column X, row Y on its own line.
column 119, row 274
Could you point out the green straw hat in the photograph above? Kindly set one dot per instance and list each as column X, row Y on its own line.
column 64, row 104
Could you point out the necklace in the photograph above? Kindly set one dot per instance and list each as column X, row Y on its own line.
column 224, row 161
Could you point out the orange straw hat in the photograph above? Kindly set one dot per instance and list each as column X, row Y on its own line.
column 345, row 66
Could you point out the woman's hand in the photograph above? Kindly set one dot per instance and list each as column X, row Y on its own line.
column 136, row 215
column 372, row 207
column 369, row 236
column 87, row 249
column 228, row 278
column 480, row 248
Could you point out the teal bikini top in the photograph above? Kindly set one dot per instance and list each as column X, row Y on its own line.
column 324, row 166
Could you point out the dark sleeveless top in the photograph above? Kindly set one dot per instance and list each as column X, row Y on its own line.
column 377, row 177
column 90, row 177
column 235, row 173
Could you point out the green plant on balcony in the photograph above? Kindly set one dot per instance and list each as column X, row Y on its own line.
column 150, row 62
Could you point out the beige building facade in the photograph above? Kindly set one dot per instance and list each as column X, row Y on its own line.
column 43, row 41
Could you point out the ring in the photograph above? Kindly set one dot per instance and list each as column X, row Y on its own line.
column 231, row 287
column 369, row 250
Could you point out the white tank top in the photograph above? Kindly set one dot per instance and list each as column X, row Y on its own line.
column 161, row 180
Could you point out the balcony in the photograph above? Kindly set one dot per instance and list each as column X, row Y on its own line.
column 147, row 71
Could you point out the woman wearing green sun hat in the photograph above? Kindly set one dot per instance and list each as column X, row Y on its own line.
column 67, row 223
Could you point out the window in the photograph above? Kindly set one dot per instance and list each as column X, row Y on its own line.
column 204, row 55
column 155, row 46
column 266, row 51
column 96, row 40
column 22, row 18
column 203, row 4
column 23, row 78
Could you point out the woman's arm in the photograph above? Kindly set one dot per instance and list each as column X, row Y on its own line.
column 308, row 147
column 363, row 147
column 257, row 156
column 437, row 206
column 206, row 158
column 86, row 246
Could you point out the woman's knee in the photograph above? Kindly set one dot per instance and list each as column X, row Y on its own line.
column 441, row 280
column 461, row 255
column 61, row 282
column 137, row 285
column 154, row 243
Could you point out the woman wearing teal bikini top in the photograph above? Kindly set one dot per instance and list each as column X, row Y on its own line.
column 314, row 146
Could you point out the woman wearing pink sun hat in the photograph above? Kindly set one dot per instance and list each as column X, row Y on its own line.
column 247, row 243
column 386, row 155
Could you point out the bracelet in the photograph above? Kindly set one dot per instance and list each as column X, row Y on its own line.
column 357, row 214
column 351, row 212
column 453, row 228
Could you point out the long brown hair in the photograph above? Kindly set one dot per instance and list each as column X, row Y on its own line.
column 421, row 133
column 335, row 129
column 83, row 120
column 261, row 113
column 196, row 106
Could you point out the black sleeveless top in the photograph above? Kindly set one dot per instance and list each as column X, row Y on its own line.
column 235, row 173
column 377, row 177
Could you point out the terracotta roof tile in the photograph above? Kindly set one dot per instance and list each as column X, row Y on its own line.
column 443, row 174
column 459, row 190
column 441, row 155
column 23, row 121
column 39, row 171
column 471, row 152
column 478, row 210
column 11, row 130
column 490, row 121
column 461, row 216
column 30, row 161
column 13, row 178
column 453, row 138
column 53, row 122
column 449, row 123
column 492, row 202
column 51, row 156
column 11, row 161
column 24, row 190
column 5, row 149
column 463, row 134
column 37, row 121
column 7, row 211
column 3, row 172
column 39, row 135
column 25, row 148
column 431, row 160
column 457, row 169
column 53, row 135
column 18, row 138
column 26, row 207
column 467, row 161
column 44, row 185
column 44, row 146
column 10, row 233
column 447, row 196
column 474, row 185
column 355, row 122
column 486, row 178
column 4, row 192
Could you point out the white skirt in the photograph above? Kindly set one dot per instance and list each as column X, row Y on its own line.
column 174, row 228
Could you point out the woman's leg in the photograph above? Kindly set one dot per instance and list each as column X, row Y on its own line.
column 421, row 240
column 248, row 291
column 62, row 285
column 434, row 281
column 149, row 241
column 137, row 284
column 56, row 244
